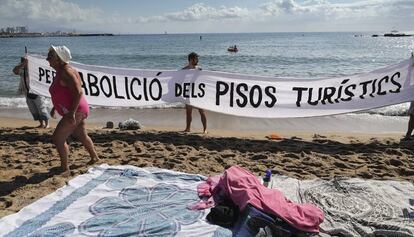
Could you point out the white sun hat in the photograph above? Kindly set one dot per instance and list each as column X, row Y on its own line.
column 63, row 52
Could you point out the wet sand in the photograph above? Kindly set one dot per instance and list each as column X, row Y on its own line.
column 29, row 162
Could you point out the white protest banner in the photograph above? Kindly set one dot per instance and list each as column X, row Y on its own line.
column 240, row 95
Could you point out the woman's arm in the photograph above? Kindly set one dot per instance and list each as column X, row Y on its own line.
column 70, row 78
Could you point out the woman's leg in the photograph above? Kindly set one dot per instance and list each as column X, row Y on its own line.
column 63, row 129
column 82, row 136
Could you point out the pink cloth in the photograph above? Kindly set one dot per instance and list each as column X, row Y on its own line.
column 243, row 188
column 62, row 98
column 204, row 191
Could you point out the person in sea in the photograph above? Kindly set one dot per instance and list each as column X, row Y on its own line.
column 68, row 100
column 192, row 64
column 36, row 103
column 410, row 123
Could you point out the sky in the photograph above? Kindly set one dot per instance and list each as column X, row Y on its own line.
column 212, row 16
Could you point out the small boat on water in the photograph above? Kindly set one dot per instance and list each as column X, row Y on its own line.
column 233, row 49
column 395, row 33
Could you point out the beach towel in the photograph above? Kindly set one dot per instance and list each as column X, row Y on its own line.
column 356, row 207
column 117, row 201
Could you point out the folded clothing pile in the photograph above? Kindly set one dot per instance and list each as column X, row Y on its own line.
column 129, row 124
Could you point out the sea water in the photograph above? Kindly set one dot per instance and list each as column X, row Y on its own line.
column 299, row 55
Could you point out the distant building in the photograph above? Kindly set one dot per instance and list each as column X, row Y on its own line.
column 21, row 29
column 15, row 30
column 10, row 30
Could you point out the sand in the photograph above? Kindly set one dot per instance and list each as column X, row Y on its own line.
column 28, row 160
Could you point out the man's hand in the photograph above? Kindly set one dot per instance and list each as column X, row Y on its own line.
column 25, row 62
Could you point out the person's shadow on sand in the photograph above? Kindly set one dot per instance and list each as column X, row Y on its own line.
column 19, row 181
column 27, row 128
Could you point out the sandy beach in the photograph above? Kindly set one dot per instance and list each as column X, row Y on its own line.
column 28, row 160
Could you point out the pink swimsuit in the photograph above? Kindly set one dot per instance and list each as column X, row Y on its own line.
column 62, row 98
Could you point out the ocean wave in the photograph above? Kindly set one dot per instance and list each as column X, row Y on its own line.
column 393, row 110
column 15, row 102
column 20, row 102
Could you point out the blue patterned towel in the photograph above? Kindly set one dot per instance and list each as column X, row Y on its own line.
column 116, row 201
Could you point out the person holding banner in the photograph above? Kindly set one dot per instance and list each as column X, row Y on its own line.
column 192, row 64
column 68, row 100
column 36, row 103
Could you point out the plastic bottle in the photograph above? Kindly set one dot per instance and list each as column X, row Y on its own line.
column 267, row 177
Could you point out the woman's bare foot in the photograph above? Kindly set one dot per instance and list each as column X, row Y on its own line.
column 66, row 173
column 93, row 161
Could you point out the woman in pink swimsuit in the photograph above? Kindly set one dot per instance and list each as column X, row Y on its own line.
column 69, row 102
